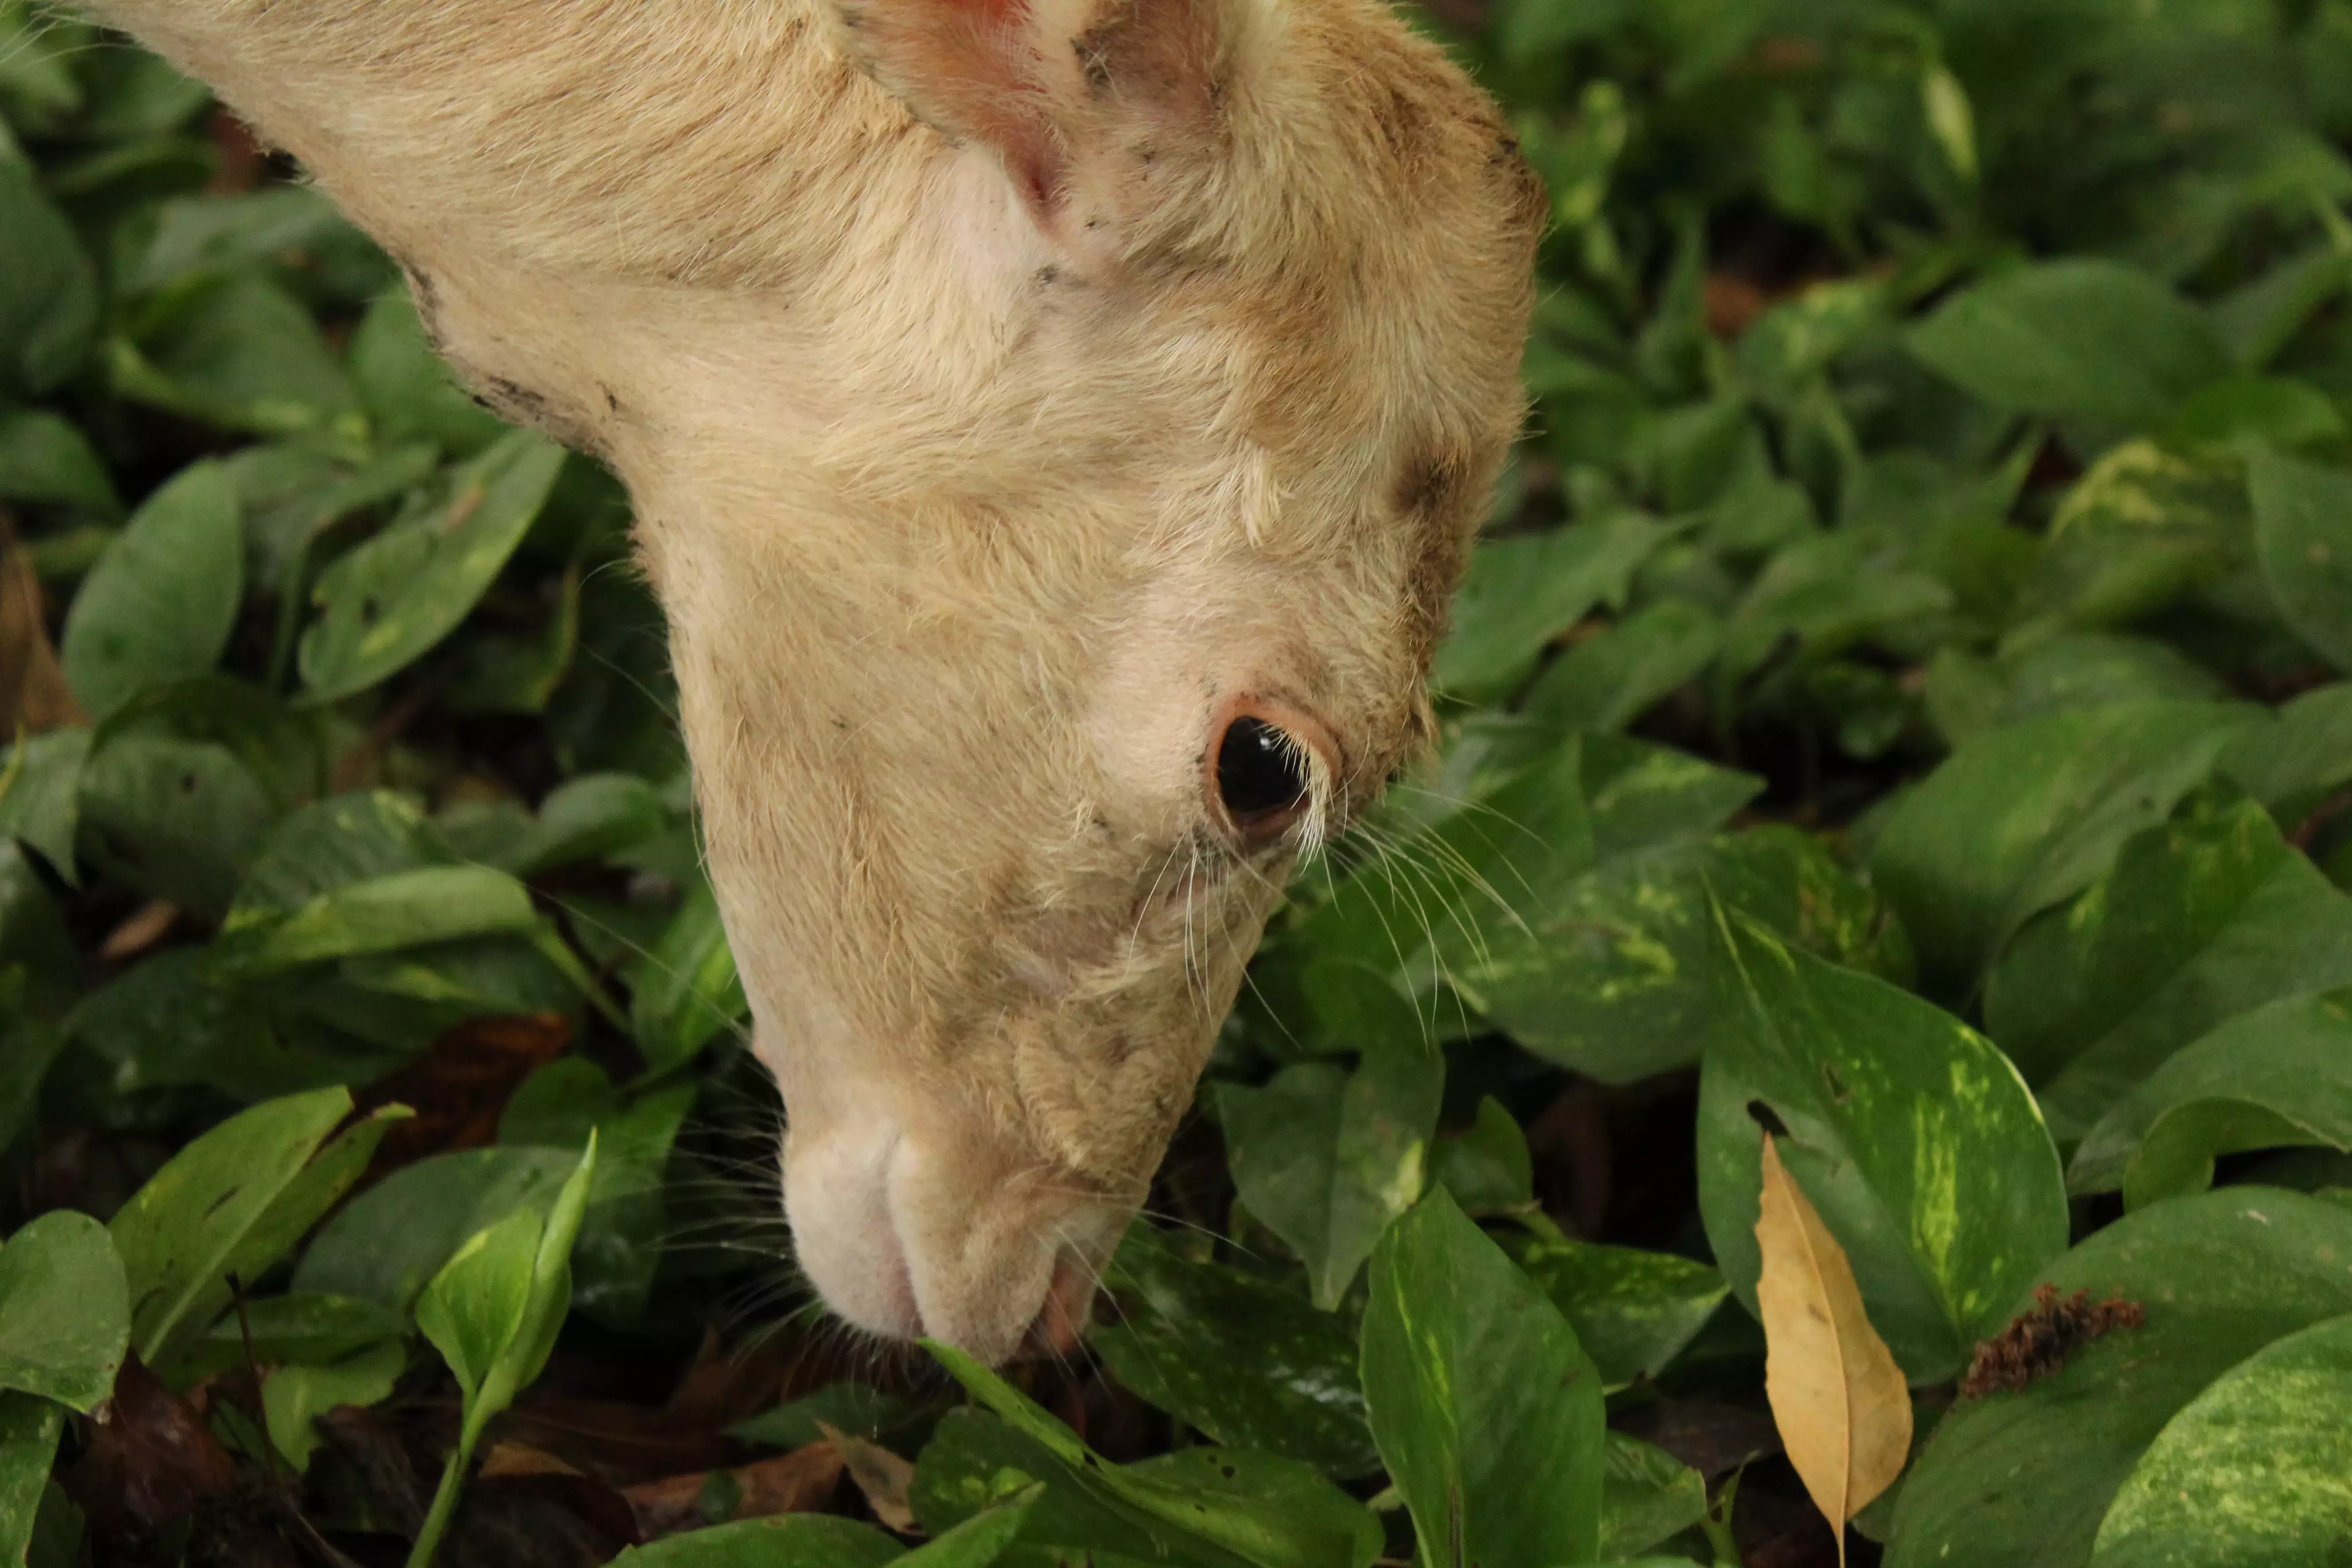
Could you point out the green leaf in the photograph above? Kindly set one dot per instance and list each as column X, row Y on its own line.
column 235, row 1201
column 231, row 233
column 1522, row 592
column 1486, row 1166
column 292, row 1395
column 787, row 1541
column 1633, row 1311
column 406, row 909
column 2255, row 1470
column 65, row 1316
column 2027, row 817
column 1608, row 681
column 2292, row 766
column 981, row 1539
column 328, row 846
column 2020, row 1480
column 496, row 1307
column 392, row 598
column 856, row 1409
column 48, row 294
column 301, row 1329
column 237, row 352
column 388, row 1243
column 685, row 993
column 2202, row 917
column 29, row 1428
column 1208, row 1506
column 407, row 389
column 41, row 795
column 1647, row 1496
column 2074, row 339
column 2302, row 530
column 175, row 818
column 1476, row 1386
column 593, row 816
column 1914, row 1138
column 1181, row 1329
column 2276, row 1077
column 44, row 459
column 2285, row 413
column 2146, row 528
column 1327, row 1158
column 160, row 603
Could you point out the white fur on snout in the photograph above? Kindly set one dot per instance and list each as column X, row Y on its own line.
column 838, row 1201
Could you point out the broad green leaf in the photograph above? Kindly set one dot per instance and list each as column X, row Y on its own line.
column 235, row 1201
column 1647, row 1496
column 2260, row 319
column 2203, row 917
column 2280, row 410
column 2020, row 1480
column 292, row 1395
column 2303, row 529
column 588, row 818
column 1327, row 1157
column 160, row 603
column 2256, row 1471
column 2028, row 816
column 33, row 933
column 1615, row 984
column 496, row 1307
column 1486, row 1166
column 41, row 795
column 1522, row 592
column 407, row 389
column 1181, row 1329
column 1914, row 1138
column 972, row 1457
column 1608, row 681
column 406, row 909
column 1818, row 598
column 29, row 1428
column 44, row 459
column 1210, row 1506
column 2074, row 339
column 1633, row 1311
column 2278, row 1075
column 685, row 993
column 392, row 599
column 1477, row 1387
column 2293, row 765
column 328, row 846
column 175, row 818
column 302, row 1329
column 981, row 1539
column 855, row 1409
column 239, row 352
column 232, row 233
column 786, row 1540
column 620, row 1243
column 387, row 1244
column 64, row 1317
column 48, row 294
column 2146, row 528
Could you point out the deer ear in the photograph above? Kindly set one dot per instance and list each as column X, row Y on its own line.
column 1042, row 83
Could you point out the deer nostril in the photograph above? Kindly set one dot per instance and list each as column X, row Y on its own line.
column 1070, row 1299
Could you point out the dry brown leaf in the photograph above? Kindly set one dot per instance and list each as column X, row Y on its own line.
column 1839, row 1399
column 796, row 1482
column 34, row 694
column 881, row 1474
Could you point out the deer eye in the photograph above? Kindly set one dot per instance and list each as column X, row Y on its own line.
column 1261, row 777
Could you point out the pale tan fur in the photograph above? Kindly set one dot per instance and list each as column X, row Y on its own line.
column 987, row 440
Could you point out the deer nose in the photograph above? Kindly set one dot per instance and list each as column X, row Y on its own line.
column 907, row 1236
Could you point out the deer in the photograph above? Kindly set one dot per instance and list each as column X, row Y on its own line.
column 1055, row 430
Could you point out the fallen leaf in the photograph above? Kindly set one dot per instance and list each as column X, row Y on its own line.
column 1839, row 1399
column 880, row 1474
column 459, row 1086
column 150, row 1460
column 790, row 1483
column 149, row 925
column 34, row 694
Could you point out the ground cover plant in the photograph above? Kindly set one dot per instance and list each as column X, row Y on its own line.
column 1856, row 1019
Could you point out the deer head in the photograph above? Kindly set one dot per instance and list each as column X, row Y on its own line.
column 1055, row 426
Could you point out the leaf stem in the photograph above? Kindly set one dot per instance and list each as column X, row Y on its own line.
column 445, row 1504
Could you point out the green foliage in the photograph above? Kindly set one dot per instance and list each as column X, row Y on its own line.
column 1898, row 700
